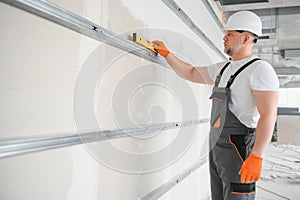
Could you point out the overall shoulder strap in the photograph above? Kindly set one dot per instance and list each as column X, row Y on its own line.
column 223, row 69
column 232, row 77
column 220, row 74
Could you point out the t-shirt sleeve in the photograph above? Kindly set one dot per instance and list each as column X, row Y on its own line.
column 264, row 78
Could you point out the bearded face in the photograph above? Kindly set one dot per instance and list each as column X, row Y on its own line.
column 232, row 42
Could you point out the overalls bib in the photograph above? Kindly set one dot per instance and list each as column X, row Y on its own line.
column 230, row 144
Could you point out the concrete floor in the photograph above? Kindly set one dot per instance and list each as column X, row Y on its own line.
column 281, row 173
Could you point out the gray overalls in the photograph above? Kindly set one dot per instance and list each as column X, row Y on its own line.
column 230, row 144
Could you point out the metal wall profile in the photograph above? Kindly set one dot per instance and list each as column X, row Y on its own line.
column 189, row 22
column 164, row 188
column 81, row 25
column 18, row 146
column 214, row 15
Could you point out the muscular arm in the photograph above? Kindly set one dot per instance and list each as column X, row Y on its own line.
column 189, row 72
column 266, row 102
column 185, row 70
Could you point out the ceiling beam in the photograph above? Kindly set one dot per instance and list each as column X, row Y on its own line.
column 255, row 6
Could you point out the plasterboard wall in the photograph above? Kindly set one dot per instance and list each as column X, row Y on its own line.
column 41, row 63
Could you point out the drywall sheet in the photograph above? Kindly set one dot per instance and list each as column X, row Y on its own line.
column 44, row 69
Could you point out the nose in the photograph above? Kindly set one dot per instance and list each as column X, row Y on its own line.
column 225, row 38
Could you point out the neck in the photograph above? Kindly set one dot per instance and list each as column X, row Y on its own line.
column 242, row 53
column 240, row 57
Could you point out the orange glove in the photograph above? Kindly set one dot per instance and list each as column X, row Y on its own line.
column 251, row 169
column 160, row 47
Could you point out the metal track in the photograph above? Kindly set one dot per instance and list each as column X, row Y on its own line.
column 81, row 25
column 18, row 146
column 189, row 22
column 214, row 15
column 164, row 188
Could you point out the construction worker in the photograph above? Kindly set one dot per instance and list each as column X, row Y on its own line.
column 244, row 107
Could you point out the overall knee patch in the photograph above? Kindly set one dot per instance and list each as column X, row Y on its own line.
column 242, row 188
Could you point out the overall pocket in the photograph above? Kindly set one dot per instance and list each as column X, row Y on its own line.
column 242, row 144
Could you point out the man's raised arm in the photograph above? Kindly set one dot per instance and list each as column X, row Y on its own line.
column 183, row 69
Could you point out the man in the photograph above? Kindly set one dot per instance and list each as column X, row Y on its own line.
column 244, row 108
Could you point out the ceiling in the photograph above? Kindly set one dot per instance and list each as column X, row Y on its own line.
column 280, row 43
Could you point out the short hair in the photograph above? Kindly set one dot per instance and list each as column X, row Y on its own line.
column 254, row 35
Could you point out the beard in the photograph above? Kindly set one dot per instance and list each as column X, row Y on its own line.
column 229, row 51
column 232, row 50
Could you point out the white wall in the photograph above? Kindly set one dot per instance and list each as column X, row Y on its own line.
column 47, row 74
column 288, row 126
column 289, row 97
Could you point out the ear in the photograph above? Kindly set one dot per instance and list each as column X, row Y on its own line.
column 248, row 38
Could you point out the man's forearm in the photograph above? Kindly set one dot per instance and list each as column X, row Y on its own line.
column 189, row 72
column 183, row 69
column 266, row 102
column 264, row 133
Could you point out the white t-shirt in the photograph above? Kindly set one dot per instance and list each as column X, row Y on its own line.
column 259, row 76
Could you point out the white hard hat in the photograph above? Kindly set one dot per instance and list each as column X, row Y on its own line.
column 245, row 21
